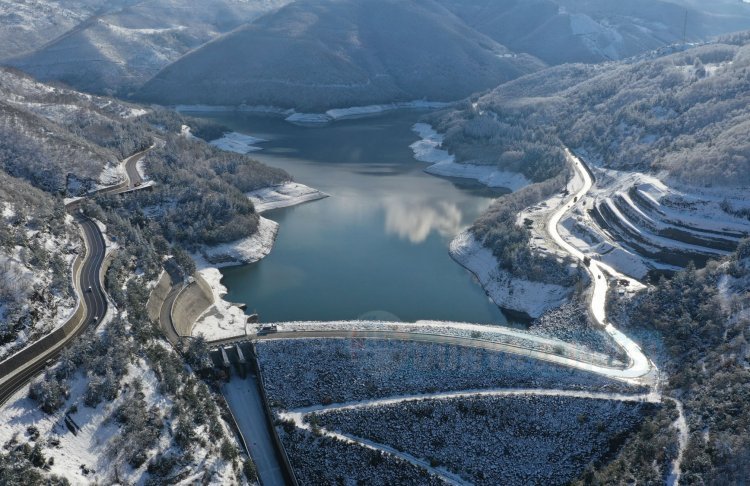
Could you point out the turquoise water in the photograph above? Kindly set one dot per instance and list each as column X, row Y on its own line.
column 378, row 247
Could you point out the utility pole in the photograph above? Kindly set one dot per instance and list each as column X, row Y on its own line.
column 684, row 29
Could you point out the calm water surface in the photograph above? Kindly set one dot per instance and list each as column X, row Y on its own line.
column 378, row 247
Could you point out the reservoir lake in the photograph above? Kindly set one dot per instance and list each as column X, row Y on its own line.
column 377, row 248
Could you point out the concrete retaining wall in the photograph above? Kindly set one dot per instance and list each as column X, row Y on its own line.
column 158, row 295
column 193, row 301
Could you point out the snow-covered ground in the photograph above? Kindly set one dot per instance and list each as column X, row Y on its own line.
column 648, row 218
column 110, row 175
column 237, row 142
column 84, row 449
column 359, row 111
column 90, row 455
column 429, row 150
column 27, row 286
column 283, row 195
column 247, row 250
column 224, row 319
column 506, row 290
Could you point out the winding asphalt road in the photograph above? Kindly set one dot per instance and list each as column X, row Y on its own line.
column 21, row 367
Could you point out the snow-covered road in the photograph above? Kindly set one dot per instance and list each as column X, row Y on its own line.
column 640, row 365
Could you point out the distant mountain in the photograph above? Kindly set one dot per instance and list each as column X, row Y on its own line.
column 28, row 25
column 320, row 54
column 560, row 31
column 112, row 47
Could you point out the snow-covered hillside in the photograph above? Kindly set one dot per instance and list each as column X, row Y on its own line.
column 116, row 46
column 317, row 55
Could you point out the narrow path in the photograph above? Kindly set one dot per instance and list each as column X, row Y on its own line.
column 444, row 474
column 682, row 440
column 493, row 392
column 640, row 364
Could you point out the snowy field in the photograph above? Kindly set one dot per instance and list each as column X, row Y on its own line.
column 305, row 372
column 85, row 444
column 495, row 440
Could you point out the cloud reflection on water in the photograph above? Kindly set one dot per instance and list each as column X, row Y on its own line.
column 416, row 222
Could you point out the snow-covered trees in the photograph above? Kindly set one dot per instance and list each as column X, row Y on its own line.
column 685, row 113
column 701, row 317
column 49, row 393
column 498, row 230
column 497, row 440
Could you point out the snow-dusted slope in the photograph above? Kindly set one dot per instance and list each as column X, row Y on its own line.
column 28, row 25
column 121, row 48
column 559, row 31
column 316, row 55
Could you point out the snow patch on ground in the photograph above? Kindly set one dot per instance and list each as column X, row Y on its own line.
column 429, row 150
column 223, row 319
column 237, row 142
column 283, row 195
column 97, row 429
column 111, row 175
column 308, row 118
column 135, row 112
column 507, row 291
column 359, row 111
column 186, row 132
column 27, row 287
column 247, row 250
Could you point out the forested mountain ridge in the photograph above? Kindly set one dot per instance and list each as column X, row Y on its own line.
column 683, row 114
column 564, row 31
column 140, row 413
column 374, row 48
column 55, row 143
column 314, row 55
